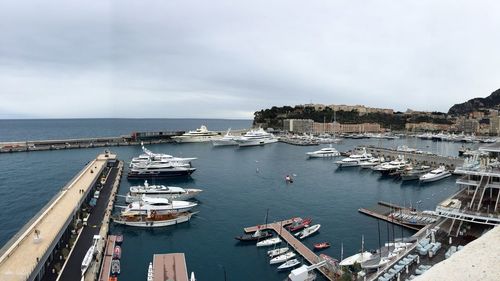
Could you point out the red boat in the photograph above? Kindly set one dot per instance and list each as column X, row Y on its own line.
column 117, row 253
column 322, row 245
column 299, row 223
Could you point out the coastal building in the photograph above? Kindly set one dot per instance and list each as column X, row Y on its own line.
column 468, row 126
column 425, row 127
column 336, row 127
column 495, row 126
column 361, row 109
column 298, row 125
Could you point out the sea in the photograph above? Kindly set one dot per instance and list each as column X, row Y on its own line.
column 240, row 186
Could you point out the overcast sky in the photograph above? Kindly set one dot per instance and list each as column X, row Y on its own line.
column 227, row 59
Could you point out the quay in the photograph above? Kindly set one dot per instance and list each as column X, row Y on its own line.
column 300, row 248
column 33, row 251
column 417, row 158
column 298, row 142
column 71, row 269
column 382, row 211
column 135, row 138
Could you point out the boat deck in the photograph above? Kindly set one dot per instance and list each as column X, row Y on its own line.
column 300, row 248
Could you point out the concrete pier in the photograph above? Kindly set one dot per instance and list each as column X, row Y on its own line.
column 26, row 255
column 417, row 158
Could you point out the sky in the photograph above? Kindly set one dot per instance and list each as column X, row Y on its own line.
column 227, row 59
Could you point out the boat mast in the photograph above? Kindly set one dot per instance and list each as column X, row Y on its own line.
column 267, row 213
column 379, row 244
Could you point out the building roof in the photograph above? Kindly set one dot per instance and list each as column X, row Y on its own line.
column 478, row 260
column 169, row 267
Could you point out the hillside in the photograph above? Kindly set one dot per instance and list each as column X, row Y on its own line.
column 492, row 101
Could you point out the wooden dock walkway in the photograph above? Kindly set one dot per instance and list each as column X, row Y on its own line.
column 300, row 248
column 385, row 218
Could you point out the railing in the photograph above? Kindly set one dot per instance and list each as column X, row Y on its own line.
column 492, row 218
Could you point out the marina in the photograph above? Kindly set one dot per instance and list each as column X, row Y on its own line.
column 125, row 268
column 294, row 243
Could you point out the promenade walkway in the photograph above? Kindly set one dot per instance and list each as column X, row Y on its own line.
column 25, row 254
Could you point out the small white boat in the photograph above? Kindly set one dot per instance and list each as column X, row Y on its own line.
column 435, row 175
column 277, row 252
column 308, row 231
column 269, row 242
column 282, row 258
column 323, row 153
column 289, row 264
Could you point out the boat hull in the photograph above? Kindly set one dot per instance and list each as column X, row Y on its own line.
column 443, row 176
column 195, row 139
column 162, row 174
column 224, row 143
column 154, row 223
column 186, row 196
column 256, row 142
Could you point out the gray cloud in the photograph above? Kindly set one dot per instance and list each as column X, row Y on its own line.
column 227, row 59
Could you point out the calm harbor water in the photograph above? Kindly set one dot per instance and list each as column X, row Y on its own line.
column 239, row 186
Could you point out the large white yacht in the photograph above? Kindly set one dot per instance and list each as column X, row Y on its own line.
column 159, row 170
column 324, row 152
column 201, row 134
column 226, row 140
column 256, row 137
column 435, row 175
column 160, row 206
column 354, row 160
column 160, row 191
column 149, row 156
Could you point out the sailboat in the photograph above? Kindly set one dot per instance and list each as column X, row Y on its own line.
column 357, row 258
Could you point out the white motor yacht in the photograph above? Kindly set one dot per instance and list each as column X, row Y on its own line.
column 201, row 134
column 324, row 152
column 159, row 206
column 151, row 157
column 226, row 140
column 159, row 170
column 160, row 191
column 354, row 160
column 435, row 175
column 371, row 163
column 256, row 137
